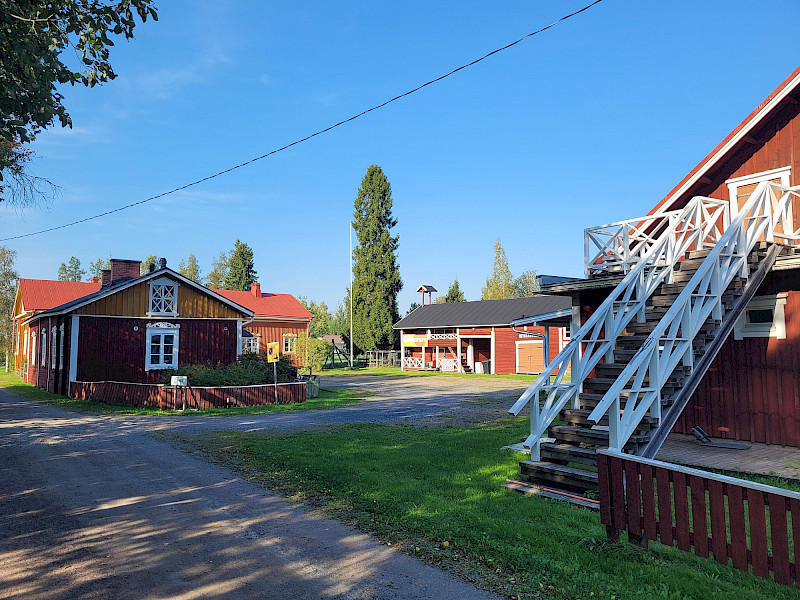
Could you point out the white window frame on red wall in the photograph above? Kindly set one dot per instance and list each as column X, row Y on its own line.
column 44, row 347
column 61, row 347
column 161, row 329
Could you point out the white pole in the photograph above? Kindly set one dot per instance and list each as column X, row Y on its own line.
column 351, row 295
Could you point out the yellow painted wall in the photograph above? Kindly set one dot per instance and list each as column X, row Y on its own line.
column 133, row 302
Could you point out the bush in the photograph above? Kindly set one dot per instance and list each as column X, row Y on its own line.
column 249, row 369
column 314, row 350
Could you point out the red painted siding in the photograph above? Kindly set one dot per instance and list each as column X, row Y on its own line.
column 110, row 350
column 751, row 391
column 273, row 331
column 506, row 348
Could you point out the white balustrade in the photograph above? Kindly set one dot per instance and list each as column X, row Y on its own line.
column 657, row 247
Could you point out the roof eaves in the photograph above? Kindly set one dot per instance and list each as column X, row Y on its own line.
column 736, row 136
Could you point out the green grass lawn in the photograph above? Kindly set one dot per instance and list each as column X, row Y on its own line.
column 435, row 493
column 326, row 399
column 396, row 371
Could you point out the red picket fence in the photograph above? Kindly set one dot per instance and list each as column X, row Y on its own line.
column 166, row 397
column 701, row 512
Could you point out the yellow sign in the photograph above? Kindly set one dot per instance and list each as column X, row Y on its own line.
column 272, row 352
column 415, row 340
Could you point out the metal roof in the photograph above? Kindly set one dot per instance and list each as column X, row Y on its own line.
column 480, row 313
column 43, row 294
column 269, row 305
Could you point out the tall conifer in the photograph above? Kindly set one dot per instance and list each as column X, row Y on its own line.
column 376, row 276
column 241, row 270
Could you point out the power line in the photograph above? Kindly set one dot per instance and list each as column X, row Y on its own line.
column 308, row 137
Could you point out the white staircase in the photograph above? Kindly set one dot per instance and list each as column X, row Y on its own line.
column 688, row 275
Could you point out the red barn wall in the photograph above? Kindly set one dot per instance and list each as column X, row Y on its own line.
column 752, row 389
column 273, row 331
column 110, row 350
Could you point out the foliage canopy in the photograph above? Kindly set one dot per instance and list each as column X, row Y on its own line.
column 376, row 276
column 241, row 270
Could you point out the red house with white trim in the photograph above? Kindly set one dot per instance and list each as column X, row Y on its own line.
column 689, row 315
column 278, row 318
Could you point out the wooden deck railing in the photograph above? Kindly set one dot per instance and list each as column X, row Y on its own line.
column 741, row 523
column 165, row 397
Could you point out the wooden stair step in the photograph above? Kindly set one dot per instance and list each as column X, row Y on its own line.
column 596, row 437
column 567, row 453
column 580, row 417
column 559, row 476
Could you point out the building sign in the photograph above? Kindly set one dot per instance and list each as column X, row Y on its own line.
column 415, row 340
column 272, row 352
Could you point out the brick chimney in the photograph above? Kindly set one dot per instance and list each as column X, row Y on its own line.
column 122, row 269
column 255, row 289
column 94, row 279
column 105, row 277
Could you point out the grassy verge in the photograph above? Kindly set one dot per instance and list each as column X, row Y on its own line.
column 383, row 371
column 326, row 399
column 435, row 493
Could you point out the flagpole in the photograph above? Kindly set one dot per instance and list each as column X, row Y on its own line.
column 351, row 295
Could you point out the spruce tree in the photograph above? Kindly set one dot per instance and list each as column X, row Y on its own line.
column 241, row 271
column 376, row 276
column 71, row 271
column 190, row 268
column 454, row 293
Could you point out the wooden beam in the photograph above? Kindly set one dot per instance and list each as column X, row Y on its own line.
column 749, row 139
column 705, row 179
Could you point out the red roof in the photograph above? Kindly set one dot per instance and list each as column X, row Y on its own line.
column 42, row 294
column 683, row 190
column 269, row 305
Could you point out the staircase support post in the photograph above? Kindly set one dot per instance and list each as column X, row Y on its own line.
column 614, row 425
column 536, row 454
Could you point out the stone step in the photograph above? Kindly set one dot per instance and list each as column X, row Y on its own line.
column 558, row 476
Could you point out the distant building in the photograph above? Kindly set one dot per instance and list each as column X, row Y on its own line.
column 478, row 336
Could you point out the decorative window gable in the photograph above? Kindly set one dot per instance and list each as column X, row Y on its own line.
column 163, row 298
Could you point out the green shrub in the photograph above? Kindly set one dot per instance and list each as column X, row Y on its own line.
column 249, row 369
column 315, row 352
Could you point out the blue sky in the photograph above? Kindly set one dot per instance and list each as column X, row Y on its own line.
column 590, row 122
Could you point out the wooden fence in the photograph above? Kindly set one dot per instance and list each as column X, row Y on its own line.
column 166, row 397
column 741, row 523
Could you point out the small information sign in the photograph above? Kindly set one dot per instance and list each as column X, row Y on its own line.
column 272, row 352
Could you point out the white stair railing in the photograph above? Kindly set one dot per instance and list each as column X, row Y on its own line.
column 698, row 225
column 766, row 215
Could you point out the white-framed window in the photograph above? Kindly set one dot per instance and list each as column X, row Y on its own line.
column 289, row 344
column 33, row 348
column 251, row 344
column 763, row 317
column 163, row 297
column 61, row 346
column 740, row 188
column 162, row 346
column 53, row 346
column 44, row 348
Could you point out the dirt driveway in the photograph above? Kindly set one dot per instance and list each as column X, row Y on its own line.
column 96, row 507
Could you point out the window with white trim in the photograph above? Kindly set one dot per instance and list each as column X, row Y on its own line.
column 162, row 346
column 61, row 347
column 251, row 344
column 44, row 348
column 763, row 317
column 53, row 346
column 163, row 297
column 289, row 344
column 33, row 348
column 740, row 188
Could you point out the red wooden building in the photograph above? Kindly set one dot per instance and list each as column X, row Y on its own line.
column 689, row 315
column 126, row 328
column 277, row 318
column 478, row 337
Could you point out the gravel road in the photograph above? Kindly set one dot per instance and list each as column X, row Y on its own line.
column 96, row 507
